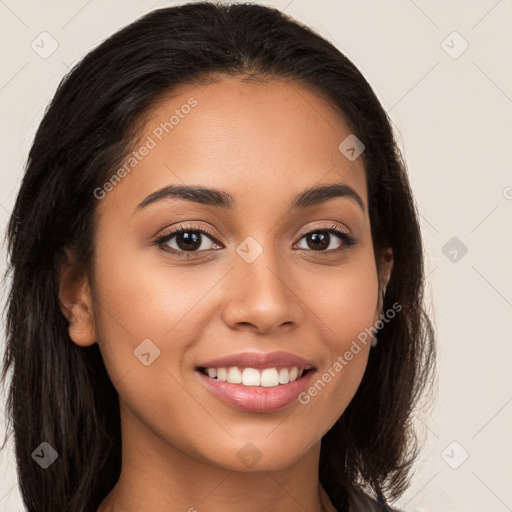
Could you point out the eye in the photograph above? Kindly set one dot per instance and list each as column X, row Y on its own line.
column 188, row 240
column 321, row 240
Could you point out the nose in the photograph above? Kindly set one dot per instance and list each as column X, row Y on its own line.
column 262, row 296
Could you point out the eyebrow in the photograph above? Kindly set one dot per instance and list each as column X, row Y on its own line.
column 222, row 199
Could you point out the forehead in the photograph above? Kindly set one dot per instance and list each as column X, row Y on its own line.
column 267, row 139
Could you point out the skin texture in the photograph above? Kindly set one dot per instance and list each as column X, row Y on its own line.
column 263, row 143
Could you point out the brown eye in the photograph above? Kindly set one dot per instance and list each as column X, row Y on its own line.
column 322, row 240
column 187, row 240
column 318, row 241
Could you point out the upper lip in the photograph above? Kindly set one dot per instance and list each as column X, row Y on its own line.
column 259, row 360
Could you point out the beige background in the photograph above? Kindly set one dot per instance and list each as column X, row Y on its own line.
column 453, row 119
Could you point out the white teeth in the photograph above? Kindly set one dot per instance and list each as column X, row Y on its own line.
column 234, row 375
column 251, row 377
column 284, row 376
column 267, row 378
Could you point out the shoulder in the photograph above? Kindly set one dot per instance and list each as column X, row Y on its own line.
column 362, row 502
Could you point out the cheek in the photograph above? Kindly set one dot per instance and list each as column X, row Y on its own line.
column 138, row 300
column 346, row 301
column 147, row 317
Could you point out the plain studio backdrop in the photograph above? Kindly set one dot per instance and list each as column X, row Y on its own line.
column 442, row 71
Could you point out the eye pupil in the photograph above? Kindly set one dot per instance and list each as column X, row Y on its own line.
column 192, row 240
column 319, row 236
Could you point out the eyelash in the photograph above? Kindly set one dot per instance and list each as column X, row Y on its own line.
column 348, row 241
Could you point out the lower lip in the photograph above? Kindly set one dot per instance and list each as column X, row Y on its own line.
column 257, row 398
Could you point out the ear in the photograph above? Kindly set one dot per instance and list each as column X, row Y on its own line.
column 386, row 267
column 76, row 301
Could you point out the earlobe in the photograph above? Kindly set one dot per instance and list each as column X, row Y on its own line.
column 76, row 301
column 81, row 328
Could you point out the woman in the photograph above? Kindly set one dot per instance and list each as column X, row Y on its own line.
column 217, row 278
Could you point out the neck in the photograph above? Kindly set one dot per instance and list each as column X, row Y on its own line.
column 158, row 476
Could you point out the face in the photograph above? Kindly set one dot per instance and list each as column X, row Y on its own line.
column 256, row 270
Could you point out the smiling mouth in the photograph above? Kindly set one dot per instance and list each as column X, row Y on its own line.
column 253, row 377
